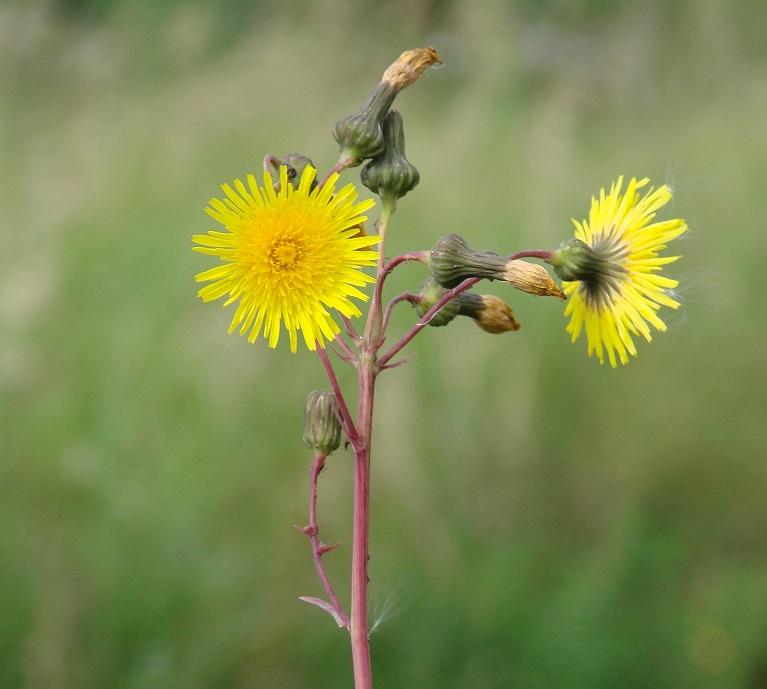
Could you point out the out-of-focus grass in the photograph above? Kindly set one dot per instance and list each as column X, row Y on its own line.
column 539, row 520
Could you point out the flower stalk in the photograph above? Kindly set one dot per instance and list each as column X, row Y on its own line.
column 319, row 549
column 358, row 627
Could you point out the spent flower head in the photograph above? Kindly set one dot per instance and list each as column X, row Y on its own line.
column 360, row 136
column 490, row 313
column 611, row 269
column 289, row 256
column 452, row 261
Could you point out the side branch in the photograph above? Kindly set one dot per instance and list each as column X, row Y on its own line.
column 319, row 549
column 346, row 418
column 424, row 321
column 543, row 255
column 421, row 256
column 405, row 296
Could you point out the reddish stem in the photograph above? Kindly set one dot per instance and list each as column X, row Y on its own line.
column 347, row 354
column 424, row 321
column 405, row 296
column 544, row 255
column 367, row 370
column 420, row 256
column 338, row 167
column 363, row 678
column 350, row 329
column 318, row 548
column 346, row 418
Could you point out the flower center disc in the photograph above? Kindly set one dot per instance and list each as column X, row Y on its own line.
column 284, row 255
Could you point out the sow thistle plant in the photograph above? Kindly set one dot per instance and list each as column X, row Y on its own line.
column 293, row 252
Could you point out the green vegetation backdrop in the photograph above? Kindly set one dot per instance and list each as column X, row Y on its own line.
column 539, row 521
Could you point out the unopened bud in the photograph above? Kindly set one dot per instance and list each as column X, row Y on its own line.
column 491, row 314
column 391, row 175
column 322, row 430
column 531, row 278
column 429, row 293
column 359, row 136
column 295, row 164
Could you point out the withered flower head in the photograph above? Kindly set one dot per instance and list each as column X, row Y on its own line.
column 531, row 278
column 359, row 136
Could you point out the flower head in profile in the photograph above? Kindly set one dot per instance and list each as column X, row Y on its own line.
column 289, row 257
column 611, row 269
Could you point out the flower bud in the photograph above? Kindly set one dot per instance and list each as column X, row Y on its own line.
column 491, row 314
column 322, row 430
column 359, row 136
column 531, row 278
column 294, row 162
column 452, row 261
column 429, row 293
column 391, row 175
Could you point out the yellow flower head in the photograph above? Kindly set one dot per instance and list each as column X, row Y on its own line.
column 613, row 264
column 289, row 257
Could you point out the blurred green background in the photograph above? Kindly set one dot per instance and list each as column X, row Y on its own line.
column 539, row 521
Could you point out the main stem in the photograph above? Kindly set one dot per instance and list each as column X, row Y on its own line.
column 363, row 677
column 367, row 370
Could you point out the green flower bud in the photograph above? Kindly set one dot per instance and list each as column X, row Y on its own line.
column 452, row 261
column 428, row 294
column 391, row 175
column 322, row 430
column 295, row 162
column 360, row 136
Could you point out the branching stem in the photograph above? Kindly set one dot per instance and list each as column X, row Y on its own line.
column 346, row 418
column 424, row 321
column 318, row 548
